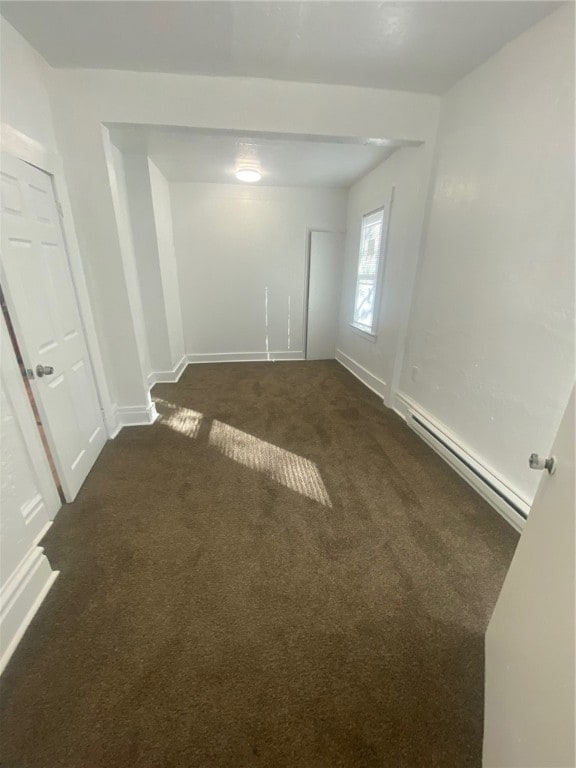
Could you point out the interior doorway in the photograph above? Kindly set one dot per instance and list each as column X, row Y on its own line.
column 325, row 264
column 45, row 319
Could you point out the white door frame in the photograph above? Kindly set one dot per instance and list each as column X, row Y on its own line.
column 19, row 145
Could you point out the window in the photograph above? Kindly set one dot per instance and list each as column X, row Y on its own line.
column 369, row 263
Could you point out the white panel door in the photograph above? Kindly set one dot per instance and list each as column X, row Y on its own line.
column 530, row 642
column 324, row 287
column 40, row 295
column 28, row 496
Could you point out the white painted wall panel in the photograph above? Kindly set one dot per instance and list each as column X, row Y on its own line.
column 406, row 171
column 492, row 333
column 167, row 260
column 25, row 103
column 147, row 261
column 129, row 274
column 241, row 255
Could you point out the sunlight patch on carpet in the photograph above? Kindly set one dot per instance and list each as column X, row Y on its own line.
column 183, row 420
column 288, row 469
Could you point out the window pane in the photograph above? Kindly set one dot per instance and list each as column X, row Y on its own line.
column 368, row 267
column 364, row 309
column 370, row 249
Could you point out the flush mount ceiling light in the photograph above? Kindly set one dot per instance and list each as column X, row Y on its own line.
column 249, row 175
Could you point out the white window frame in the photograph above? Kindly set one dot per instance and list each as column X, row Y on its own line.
column 372, row 333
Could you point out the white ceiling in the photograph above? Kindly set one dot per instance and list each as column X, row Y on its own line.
column 413, row 46
column 286, row 161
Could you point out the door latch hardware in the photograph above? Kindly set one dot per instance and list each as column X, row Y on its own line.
column 536, row 462
column 44, row 370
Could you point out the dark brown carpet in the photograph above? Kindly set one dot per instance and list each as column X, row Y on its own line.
column 292, row 580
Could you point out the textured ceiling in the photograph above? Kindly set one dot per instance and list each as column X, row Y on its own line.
column 414, row 46
column 214, row 156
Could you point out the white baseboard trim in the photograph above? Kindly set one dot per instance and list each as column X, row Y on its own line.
column 168, row 377
column 20, row 598
column 141, row 415
column 513, row 507
column 378, row 386
column 245, row 357
column 135, row 416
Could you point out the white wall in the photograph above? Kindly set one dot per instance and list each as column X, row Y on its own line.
column 241, row 254
column 492, row 332
column 406, row 173
column 141, row 201
column 121, row 203
column 167, row 259
column 144, row 220
column 25, row 107
column 83, row 100
column 147, row 261
column 24, row 100
column 242, row 103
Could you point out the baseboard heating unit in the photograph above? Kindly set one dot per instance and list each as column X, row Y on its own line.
column 494, row 491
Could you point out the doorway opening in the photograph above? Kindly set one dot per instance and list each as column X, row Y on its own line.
column 30, row 395
column 322, row 294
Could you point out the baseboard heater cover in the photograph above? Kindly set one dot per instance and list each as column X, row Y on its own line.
column 513, row 511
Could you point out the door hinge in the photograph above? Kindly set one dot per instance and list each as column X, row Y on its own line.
column 60, row 211
column 27, row 373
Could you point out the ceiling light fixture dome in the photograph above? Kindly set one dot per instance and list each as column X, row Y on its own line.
column 249, row 175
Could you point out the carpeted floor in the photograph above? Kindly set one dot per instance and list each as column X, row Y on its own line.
column 278, row 573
